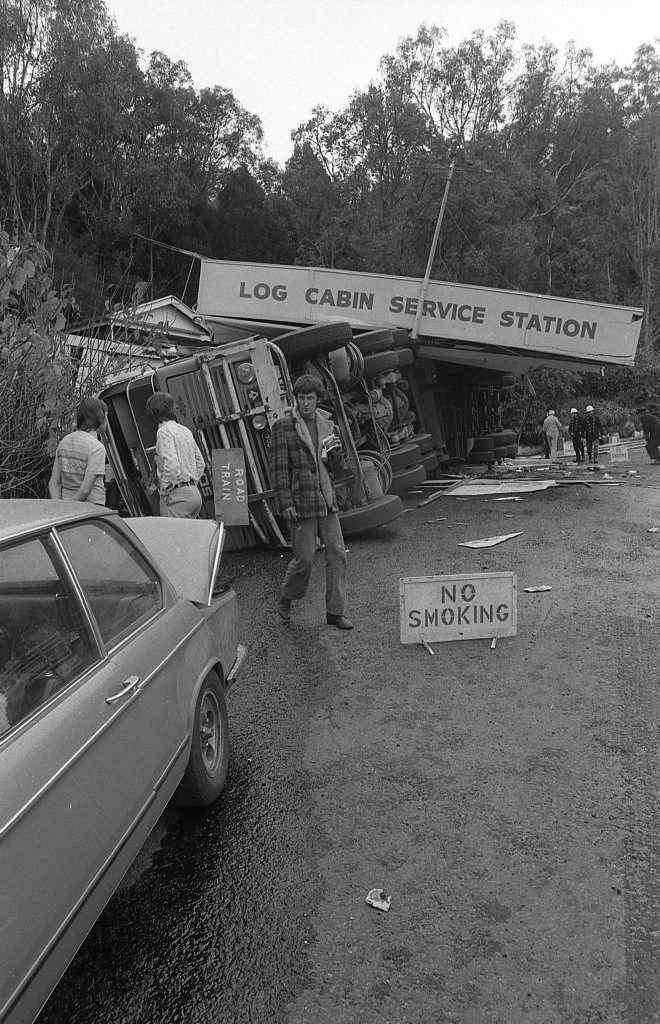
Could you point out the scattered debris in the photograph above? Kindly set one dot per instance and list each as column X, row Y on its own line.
column 653, row 529
column 493, row 643
column 511, row 497
column 427, row 501
column 378, row 898
column 427, row 647
column 442, row 519
column 488, row 542
column 476, row 487
column 537, row 590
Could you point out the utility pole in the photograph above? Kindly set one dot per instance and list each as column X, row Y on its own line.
column 434, row 246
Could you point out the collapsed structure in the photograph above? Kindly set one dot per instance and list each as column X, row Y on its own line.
column 403, row 404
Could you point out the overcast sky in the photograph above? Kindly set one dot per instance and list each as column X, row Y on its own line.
column 281, row 58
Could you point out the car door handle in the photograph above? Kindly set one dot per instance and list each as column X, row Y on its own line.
column 127, row 687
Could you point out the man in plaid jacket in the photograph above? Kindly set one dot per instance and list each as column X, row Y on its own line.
column 304, row 447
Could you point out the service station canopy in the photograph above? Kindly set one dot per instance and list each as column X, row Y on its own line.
column 481, row 327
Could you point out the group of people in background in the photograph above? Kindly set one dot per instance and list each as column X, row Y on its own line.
column 581, row 429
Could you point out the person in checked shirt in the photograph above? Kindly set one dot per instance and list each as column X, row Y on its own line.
column 179, row 462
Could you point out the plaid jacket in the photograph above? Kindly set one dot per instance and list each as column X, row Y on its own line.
column 298, row 476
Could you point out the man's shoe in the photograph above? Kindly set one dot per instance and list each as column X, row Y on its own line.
column 340, row 621
column 284, row 609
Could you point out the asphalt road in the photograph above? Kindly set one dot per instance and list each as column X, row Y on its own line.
column 506, row 798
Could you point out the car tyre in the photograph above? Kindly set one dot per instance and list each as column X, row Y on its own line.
column 380, row 362
column 403, row 456
column 406, row 478
column 206, row 773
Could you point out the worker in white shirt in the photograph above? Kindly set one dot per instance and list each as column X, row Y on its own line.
column 552, row 427
column 179, row 462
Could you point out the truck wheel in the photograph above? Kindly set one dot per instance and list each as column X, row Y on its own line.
column 206, row 773
column 403, row 456
column 406, row 478
column 368, row 517
column 374, row 341
column 380, row 362
column 429, row 462
column 310, row 341
column 406, row 356
column 483, row 444
column 424, row 441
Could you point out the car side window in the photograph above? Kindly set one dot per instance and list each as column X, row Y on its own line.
column 44, row 644
column 122, row 589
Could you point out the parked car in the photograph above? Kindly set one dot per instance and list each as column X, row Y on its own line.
column 117, row 647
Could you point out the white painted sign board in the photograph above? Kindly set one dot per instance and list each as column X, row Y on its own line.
column 463, row 607
column 230, row 492
column 619, row 453
column 521, row 321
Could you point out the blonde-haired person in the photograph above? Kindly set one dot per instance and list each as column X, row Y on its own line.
column 179, row 462
column 79, row 468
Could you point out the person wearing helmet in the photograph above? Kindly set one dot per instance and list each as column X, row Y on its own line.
column 576, row 432
column 592, row 432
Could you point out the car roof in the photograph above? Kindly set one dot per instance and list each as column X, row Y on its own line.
column 21, row 516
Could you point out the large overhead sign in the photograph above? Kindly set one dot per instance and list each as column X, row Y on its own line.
column 533, row 324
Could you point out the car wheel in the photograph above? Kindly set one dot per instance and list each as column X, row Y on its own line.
column 368, row 517
column 374, row 341
column 310, row 341
column 206, row 773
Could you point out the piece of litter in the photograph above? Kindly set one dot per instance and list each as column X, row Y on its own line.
column 443, row 519
column 536, row 590
column 511, row 498
column 632, row 472
column 427, row 647
column 488, row 542
column 378, row 898
column 652, row 529
column 493, row 643
column 415, row 492
column 606, row 476
column 509, row 515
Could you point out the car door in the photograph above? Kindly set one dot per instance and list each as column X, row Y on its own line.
column 94, row 739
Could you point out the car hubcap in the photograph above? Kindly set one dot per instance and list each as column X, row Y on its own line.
column 209, row 732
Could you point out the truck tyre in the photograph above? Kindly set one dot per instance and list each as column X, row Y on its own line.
column 406, row 478
column 368, row 517
column 512, row 451
column 374, row 341
column 501, row 452
column 380, row 362
column 481, row 458
column 403, row 456
column 424, row 441
column 499, row 440
column 483, row 444
column 311, row 341
column 406, row 356
column 429, row 462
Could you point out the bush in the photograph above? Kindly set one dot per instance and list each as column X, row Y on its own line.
column 36, row 377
